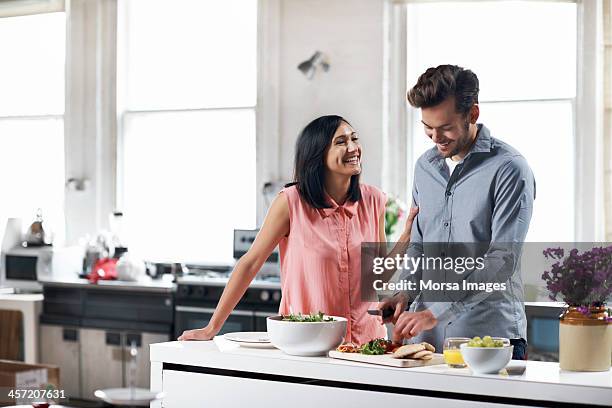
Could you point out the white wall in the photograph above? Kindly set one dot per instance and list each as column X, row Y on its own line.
column 351, row 33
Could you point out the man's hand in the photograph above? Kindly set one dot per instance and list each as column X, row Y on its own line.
column 411, row 324
column 205, row 333
column 398, row 303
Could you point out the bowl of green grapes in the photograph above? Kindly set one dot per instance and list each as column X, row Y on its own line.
column 487, row 355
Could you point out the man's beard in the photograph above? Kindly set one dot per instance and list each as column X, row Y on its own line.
column 462, row 142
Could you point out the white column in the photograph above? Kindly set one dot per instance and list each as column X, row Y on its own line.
column 90, row 119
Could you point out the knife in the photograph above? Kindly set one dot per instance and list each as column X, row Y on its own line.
column 385, row 313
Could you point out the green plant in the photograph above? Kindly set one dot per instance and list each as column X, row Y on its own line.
column 394, row 211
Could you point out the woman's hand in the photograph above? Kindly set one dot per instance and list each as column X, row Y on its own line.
column 408, row 227
column 206, row 333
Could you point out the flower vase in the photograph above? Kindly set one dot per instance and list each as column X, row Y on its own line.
column 585, row 339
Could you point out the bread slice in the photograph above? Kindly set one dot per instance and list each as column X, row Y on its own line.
column 421, row 354
column 407, row 350
column 429, row 346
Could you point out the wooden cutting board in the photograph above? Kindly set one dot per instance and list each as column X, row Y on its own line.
column 387, row 359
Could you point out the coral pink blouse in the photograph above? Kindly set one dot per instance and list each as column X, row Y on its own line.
column 321, row 260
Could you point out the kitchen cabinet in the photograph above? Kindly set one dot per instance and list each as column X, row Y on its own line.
column 208, row 373
column 92, row 359
column 87, row 331
column 183, row 390
column 143, row 365
column 112, row 347
column 101, row 360
column 60, row 346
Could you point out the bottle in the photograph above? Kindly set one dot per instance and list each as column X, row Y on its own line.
column 36, row 235
column 117, row 234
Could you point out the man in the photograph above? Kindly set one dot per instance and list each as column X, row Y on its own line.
column 470, row 188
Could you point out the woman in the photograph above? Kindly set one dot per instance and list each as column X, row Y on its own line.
column 319, row 222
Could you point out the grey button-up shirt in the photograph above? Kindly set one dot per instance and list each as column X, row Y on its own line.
column 488, row 200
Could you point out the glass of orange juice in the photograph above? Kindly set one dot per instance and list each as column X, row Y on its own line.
column 452, row 353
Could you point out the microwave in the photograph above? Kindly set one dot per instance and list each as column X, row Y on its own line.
column 22, row 268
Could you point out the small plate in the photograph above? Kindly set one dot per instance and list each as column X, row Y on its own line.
column 138, row 397
column 250, row 339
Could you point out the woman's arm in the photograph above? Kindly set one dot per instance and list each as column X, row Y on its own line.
column 399, row 301
column 275, row 227
column 402, row 243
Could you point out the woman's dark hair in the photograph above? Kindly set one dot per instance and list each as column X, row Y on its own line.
column 309, row 167
column 443, row 81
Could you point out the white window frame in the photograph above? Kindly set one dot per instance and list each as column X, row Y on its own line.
column 266, row 113
column 92, row 115
column 16, row 8
column 588, row 108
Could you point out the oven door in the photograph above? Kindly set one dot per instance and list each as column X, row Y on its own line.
column 260, row 320
column 191, row 317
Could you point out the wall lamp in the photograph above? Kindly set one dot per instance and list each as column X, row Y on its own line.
column 309, row 67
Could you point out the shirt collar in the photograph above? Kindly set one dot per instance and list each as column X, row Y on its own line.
column 350, row 207
column 483, row 144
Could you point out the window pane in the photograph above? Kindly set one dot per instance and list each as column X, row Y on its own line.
column 189, row 180
column 190, row 53
column 32, row 67
column 32, row 165
column 505, row 43
column 543, row 127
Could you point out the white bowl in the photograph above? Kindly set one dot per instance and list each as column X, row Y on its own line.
column 306, row 338
column 486, row 360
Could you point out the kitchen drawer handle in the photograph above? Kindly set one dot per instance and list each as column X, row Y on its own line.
column 70, row 335
column 113, row 339
column 265, row 314
column 210, row 310
column 133, row 337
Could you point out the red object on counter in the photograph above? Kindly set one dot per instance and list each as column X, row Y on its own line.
column 104, row 269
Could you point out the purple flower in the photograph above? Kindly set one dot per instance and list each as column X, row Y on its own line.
column 580, row 279
column 584, row 310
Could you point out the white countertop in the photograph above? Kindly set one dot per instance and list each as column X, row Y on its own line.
column 21, row 297
column 539, row 381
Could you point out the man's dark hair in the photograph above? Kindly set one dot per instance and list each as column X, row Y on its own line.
column 309, row 170
column 443, row 81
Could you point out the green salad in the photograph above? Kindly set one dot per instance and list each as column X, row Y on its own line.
column 486, row 341
column 311, row 318
column 374, row 347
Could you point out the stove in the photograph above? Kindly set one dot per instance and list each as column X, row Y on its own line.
column 198, row 293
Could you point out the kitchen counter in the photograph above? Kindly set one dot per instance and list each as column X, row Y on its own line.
column 157, row 285
column 146, row 285
column 222, row 281
column 220, row 373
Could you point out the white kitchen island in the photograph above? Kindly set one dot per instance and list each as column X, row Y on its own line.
column 219, row 373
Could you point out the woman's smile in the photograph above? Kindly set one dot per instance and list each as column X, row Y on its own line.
column 352, row 161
